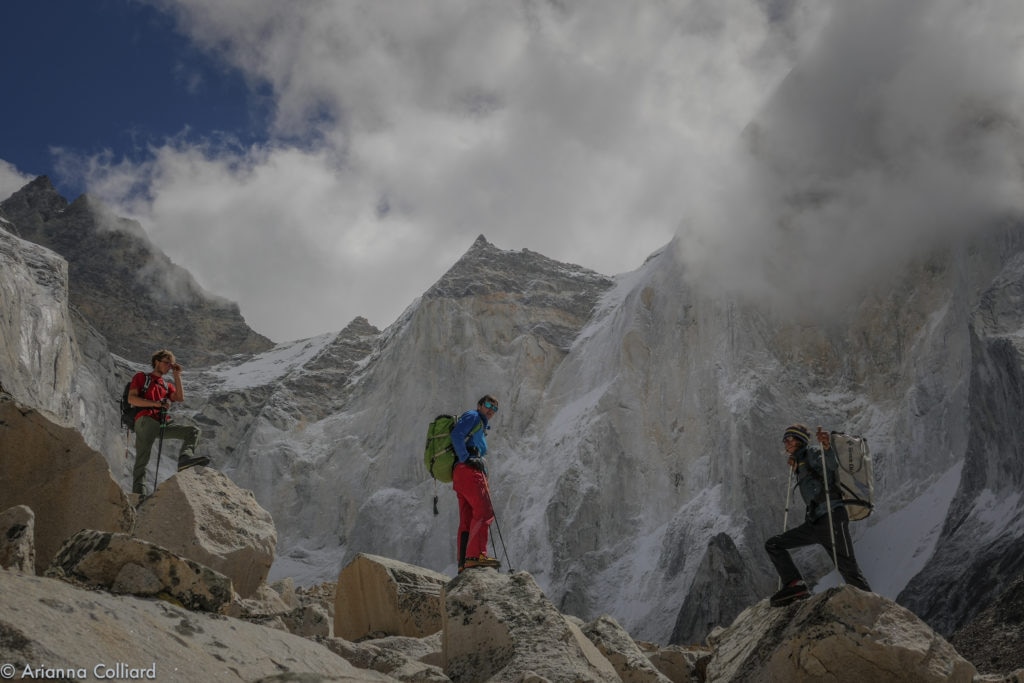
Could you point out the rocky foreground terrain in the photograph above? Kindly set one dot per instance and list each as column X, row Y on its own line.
column 97, row 584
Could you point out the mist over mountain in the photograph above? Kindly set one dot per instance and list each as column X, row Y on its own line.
column 127, row 289
column 636, row 467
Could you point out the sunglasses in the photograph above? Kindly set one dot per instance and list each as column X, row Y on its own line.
column 490, row 406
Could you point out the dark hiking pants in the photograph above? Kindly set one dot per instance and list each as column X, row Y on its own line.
column 816, row 533
column 147, row 432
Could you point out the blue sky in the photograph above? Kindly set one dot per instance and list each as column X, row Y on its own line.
column 318, row 161
column 110, row 76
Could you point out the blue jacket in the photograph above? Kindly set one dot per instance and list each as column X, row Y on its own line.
column 466, row 438
column 811, row 483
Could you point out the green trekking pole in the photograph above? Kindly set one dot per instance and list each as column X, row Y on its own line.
column 828, row 505
column 160, row 446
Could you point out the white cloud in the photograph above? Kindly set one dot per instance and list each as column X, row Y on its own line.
column 403, row 130
column 899, row 131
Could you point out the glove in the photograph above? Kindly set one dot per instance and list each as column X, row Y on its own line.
column 477, row 464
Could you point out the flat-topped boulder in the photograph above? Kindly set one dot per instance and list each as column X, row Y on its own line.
column 377, row 596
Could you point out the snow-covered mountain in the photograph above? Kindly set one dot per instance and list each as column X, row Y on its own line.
column 636, row 464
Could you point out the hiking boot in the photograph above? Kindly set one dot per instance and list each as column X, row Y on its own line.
column 194, row 461
column 482, row 562
column 796, row 590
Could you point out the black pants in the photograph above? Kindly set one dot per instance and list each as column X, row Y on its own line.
column 816, row 533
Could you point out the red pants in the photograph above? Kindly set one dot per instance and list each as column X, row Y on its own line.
column 475, row 511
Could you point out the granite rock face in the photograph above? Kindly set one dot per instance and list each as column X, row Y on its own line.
column 994, row 639
column 721, row 585
column 36, row 347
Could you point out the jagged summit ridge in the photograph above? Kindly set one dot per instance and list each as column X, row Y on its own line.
column 486, row 269
column 525, row 278
column 125, row 287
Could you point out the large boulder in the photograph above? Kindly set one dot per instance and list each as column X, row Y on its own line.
column 50, row 625
column 503, row 628
column 624, row 654
column 202, row 515
column 397, row 656
column 843, row 634
column 124, row 564
column 680, row 663
column 306, row 612
column 17, row 539
column 66, row 483
column 377, row 596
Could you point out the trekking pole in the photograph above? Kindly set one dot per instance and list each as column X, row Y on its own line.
column 503, row 548
column 785, row 514
column 497, row 527
column 160, row 446
column 789, row 494
column 828, row 505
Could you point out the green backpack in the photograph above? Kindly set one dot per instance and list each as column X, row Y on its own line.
column 439, row 455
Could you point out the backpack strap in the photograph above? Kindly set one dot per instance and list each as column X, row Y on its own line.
column 476, row 428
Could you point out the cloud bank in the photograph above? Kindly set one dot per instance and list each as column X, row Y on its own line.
column 898, row 131
column 401, row 131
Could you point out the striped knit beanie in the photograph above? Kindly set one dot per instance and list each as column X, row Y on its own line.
column 798, row 432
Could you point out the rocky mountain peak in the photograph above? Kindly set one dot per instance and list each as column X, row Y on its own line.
column 124, row 286
column 486, row 269
column 359, row 326
column 39, row 200
column 525, row 279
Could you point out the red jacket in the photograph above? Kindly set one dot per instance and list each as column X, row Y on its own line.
column 158, row 390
